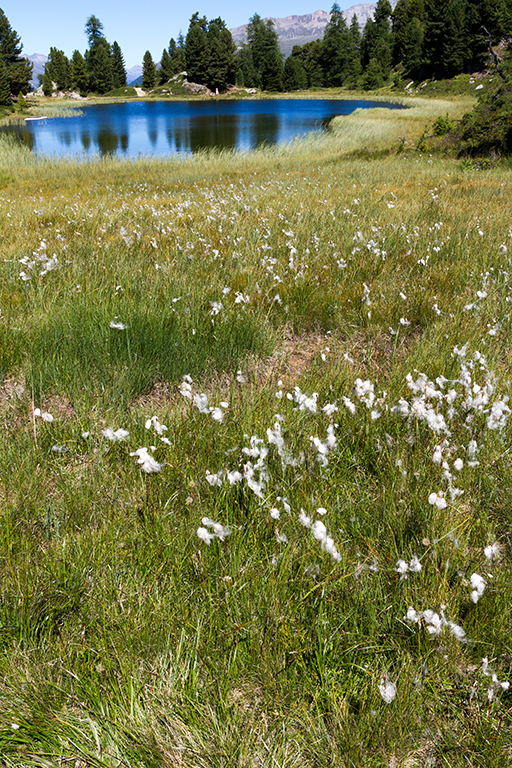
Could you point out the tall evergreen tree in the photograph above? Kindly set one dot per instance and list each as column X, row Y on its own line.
column 166, row 69
column 336, row 46
column 221, row 55
column 196, row 53
column 58, row 69
column 177, row 54
column 98, row 57
column 266, row 57
column 79, row 76
column 149, row 75
column 19, row 69
column 118, row 67
column 294, row 74
column 354, row 68
column 5, row 88
column 310, row 55
column 409, row 36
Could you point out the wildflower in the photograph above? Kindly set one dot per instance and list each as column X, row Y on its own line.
column 438, row 500
column 219, row 531
column 43, row 414
column 159, row 428
column 147, row 461
column 118, row 326
column 115, row 437
column 458, row 464
column 478, row 586
column 186, row 387
column 214, row 479
column 491, row 551
column 205, row 535
column 387, row 689
column 304, row 519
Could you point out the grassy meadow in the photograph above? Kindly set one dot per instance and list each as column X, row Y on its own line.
column 255, row 456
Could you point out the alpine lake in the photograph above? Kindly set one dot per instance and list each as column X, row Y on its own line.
column 163, row 128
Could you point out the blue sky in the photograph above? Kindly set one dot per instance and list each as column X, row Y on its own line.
column 137, row 26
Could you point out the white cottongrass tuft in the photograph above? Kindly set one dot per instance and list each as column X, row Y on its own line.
column 438, row 500
column 147, row 462
column 45, row 416
column 219, row 531
column 387, row 689
column 491, row 551
column 115, row 436
column 477, row 586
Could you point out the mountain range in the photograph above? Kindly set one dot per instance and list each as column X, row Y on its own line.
column 299, row 30
column 291, row 30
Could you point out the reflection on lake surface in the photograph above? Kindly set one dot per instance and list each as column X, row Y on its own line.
column 182, row 127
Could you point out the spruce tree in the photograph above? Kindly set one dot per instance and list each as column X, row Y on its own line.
column 58, row 69
column 148, row 72
column 98, row 57
column 196, row 54
column 221, row 55
column 165, row 73
column 79, row 76
column 118, row 67
column 336, row 48
column 294, row 74
column 5, row 89
column 265, row 55
column 19, row 69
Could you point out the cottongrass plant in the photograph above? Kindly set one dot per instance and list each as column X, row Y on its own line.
column 255, row 473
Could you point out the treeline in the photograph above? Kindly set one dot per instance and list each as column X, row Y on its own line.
column 418, row 39
column 100, row 69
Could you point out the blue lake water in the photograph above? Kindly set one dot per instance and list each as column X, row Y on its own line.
column 182, row 127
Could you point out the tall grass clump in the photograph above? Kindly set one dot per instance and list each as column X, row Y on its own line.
column 255, row 461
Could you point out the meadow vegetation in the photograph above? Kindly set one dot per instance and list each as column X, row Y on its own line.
column 255, row 458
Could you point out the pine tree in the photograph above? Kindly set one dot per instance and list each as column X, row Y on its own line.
column 221, row 55
column 294, row 74
column 354, row 68
column 178, row 55
column 373, row 77
column 336, row 48
column 266, row 57
column 457, row 44
column 166, row 70
column 5, row 89
column 58, row 69
column 196, row 54
column 310, row 55
column 118, row 68
column 409, row 36
column 19, row 69
column 148, row 72
column 79, row 76
column 98, row 57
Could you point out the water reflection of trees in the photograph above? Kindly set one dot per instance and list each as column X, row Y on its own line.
column 109, row 141
column 203, row 132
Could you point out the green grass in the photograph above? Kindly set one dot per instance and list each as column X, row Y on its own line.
column 266, row 277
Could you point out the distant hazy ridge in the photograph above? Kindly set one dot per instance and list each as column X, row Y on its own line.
column 299, row 30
